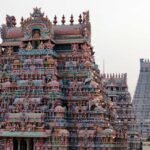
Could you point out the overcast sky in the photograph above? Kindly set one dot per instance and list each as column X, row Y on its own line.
column 120, row 28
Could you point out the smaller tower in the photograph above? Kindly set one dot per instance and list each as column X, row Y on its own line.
column 116, row 90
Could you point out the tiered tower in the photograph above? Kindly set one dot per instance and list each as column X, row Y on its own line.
column 117, row 90
column 51, row 93
column 141, row 99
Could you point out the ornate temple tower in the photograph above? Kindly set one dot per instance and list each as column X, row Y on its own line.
column 141, row 99
column 51, row 96
column 117, row 90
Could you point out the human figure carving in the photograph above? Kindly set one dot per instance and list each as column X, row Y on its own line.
column 29, row 46
column 10, row 21
column 9, row 51
column 49, row 45
column 41, row 46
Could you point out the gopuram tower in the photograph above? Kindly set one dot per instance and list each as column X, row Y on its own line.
column 51, row 97
column 116, row 89
column 141, row 100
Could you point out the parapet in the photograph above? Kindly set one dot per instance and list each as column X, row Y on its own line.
column 144, row 65
column 114, row 76
column 114, row 79
column 80, row 31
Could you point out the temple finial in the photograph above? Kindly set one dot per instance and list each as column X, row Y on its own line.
column 63, row 19
column 55, row 20
column 10, row 21
column 22, row 20
column 71, row 20
column 37, row 13
column 86, row 17
column 80, row 19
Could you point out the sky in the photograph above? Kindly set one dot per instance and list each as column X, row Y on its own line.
column 120, row 29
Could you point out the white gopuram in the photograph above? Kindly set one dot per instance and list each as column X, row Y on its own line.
column 141, row 99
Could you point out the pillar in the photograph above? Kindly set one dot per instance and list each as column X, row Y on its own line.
column 28, row 144
column 34, row 144
column 18, row 144
column 5, row 144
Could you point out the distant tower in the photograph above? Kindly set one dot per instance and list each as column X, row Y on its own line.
column 141, row 100
column 116, row 89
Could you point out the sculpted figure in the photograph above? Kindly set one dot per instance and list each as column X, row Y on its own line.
column 22, row 126
column 49, row 45
column 9, row 51
column 38, row 145
column 41, row 46
column 29, row 126
column 21, row 45
column 36, row 34
column 74, row 47
column 8, row 145
column 86, row 17
column 10, row 21
column 8, row 127
column 29, row 46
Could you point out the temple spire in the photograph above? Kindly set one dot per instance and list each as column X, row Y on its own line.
column 37, row 13
column 55, row 20
column 63, row 19
column 22, row 20
column 80, row 19
column 71, row 20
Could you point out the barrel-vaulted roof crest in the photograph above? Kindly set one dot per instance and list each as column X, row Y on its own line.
column 37, row 20
column 37, row 13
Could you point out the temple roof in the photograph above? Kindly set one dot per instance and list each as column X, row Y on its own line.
column 119, row 80
column 59, row 30
column 61, row 33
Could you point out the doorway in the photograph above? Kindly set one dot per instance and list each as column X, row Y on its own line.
column 23, row 145
column 15, row 144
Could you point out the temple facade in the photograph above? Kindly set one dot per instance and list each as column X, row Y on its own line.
column 117, row 90
column 51, row 93
column 141, row 99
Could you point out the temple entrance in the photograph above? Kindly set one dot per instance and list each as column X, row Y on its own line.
column 31, row 144
column 23, row 144
column 15, row 144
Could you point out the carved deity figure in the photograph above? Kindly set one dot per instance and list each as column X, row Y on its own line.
column 8, row 126
column 22, row 126
column 10, row 21
column 49, row 45
column 9, row 51
column 74, row 47
column 86, row 17
column 41, row 46
column 74, row 84
column 21, row 45
column 36, row 34
column 29, row 46
column 37, row 13
column 38, row 145
column 29, row 126
column 85, row 47
column 8, row 145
